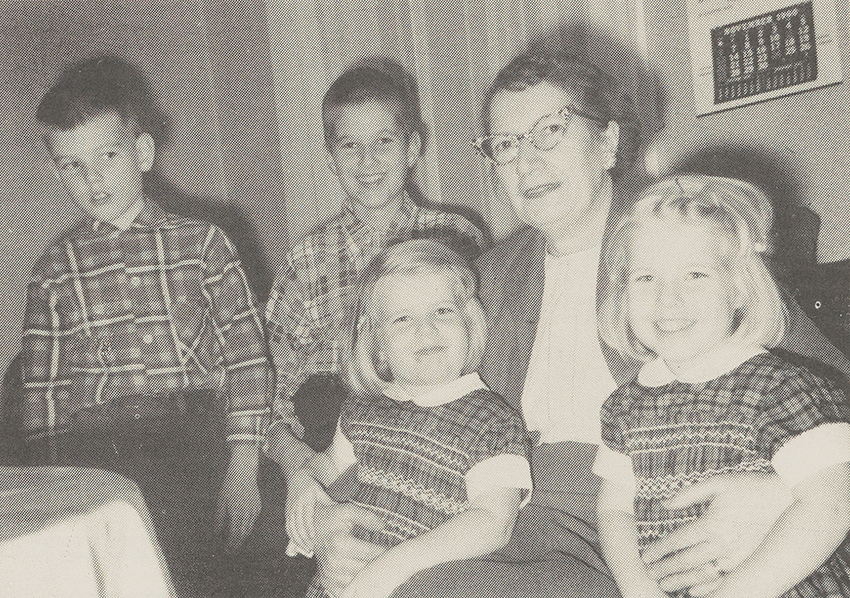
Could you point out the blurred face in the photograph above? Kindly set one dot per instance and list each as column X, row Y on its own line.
column 422, row 334
column 680, row 291
column 556, row 189
column 370, row 155
column 100, row 163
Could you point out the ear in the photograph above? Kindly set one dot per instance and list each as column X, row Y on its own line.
column 414, row 148
column 146, row 149
column 611, row 142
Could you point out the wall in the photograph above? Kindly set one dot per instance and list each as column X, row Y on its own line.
column 209, row 65
column 797, row 146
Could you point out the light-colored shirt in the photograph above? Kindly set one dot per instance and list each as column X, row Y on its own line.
column 568, row 378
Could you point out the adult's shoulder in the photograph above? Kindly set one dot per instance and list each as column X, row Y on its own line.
column 504, row 254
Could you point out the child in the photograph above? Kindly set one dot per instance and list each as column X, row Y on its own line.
column 439, row 457
column 687, row 292
column 374, row 137
column 138, row 323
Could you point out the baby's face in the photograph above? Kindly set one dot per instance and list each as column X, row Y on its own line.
column 680, row 291
column 422, row 335
column 100, row 163
column 370, row 154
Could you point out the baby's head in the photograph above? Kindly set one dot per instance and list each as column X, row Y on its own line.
column 684, row 271
column 416, row 320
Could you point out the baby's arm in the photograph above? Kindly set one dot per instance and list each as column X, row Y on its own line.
column 618, row 538
column 485, row 527
column 806, row 535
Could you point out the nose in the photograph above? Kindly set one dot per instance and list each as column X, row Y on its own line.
column 426, row 326
column 93, row 173
column 527, row 155
column 368, row 155
column 670, row 292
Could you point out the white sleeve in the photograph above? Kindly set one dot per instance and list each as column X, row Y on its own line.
column 341, row 451
column 617, row 469
column 811, row 451
column 501, row 471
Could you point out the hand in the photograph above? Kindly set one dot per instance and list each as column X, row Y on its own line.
column 744, row 506
column 283, row 410
column 372, row 582
column 303, row 494
column 341, row 556
column 239, row 500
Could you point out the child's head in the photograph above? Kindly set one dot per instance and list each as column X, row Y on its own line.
column 373, row 133
column 684, row 271
column 416, row 320
column 93, row 118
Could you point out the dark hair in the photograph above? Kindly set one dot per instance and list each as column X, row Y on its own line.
column 375, row 80
column 593, row 91
column 95, row 86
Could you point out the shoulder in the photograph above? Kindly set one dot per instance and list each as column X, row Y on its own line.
column 489, row 408
column 500, row 258
column 323, row 236
column 781, row 379
column 53, row 261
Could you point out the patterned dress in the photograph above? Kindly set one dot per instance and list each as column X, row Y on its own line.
column 412, row 460
column 681, row 433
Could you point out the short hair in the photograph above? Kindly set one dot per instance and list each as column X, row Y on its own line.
column 93, row 87
column 381, row 81
column 736, row 209
column 594, row 91
column 359, row 348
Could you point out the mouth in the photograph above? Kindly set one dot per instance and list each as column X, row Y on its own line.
column 100, row 199
column 540, row 190
column 674, row 324
column 371, row 180
column 430, row 351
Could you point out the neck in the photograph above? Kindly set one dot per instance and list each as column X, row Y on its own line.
column 378, row 219
column 586, row 231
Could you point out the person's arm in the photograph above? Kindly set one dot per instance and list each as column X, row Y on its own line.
column 486, row 526
column 804, row 537
column 239, row 331
column 290, row 336
column 744, row 506
column 306, row 490
column 44, row 372
column 619, row 542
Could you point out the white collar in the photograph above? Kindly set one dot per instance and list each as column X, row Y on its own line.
column 436, row 394
column 124, row 221
column 720, row 361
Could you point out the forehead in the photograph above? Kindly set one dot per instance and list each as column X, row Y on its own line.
column 670, row 242
column 517, row 111
column 363, row 119
column 105, row 129
column 413, row 290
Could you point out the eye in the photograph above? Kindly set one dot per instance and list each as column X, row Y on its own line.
column 643, row 278
column 445, row 310
column 697, row 274
column 70, row 166
column 347, row 146
column 110, row 154
column 401, row 319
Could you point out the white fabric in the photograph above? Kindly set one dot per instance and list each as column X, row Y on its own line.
column 436, row 394
column 108, row 546
column 812, row 451
column 501, row 471
column 124, row 221
column 568, row 378
column 709, row 366
column 341, row 451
